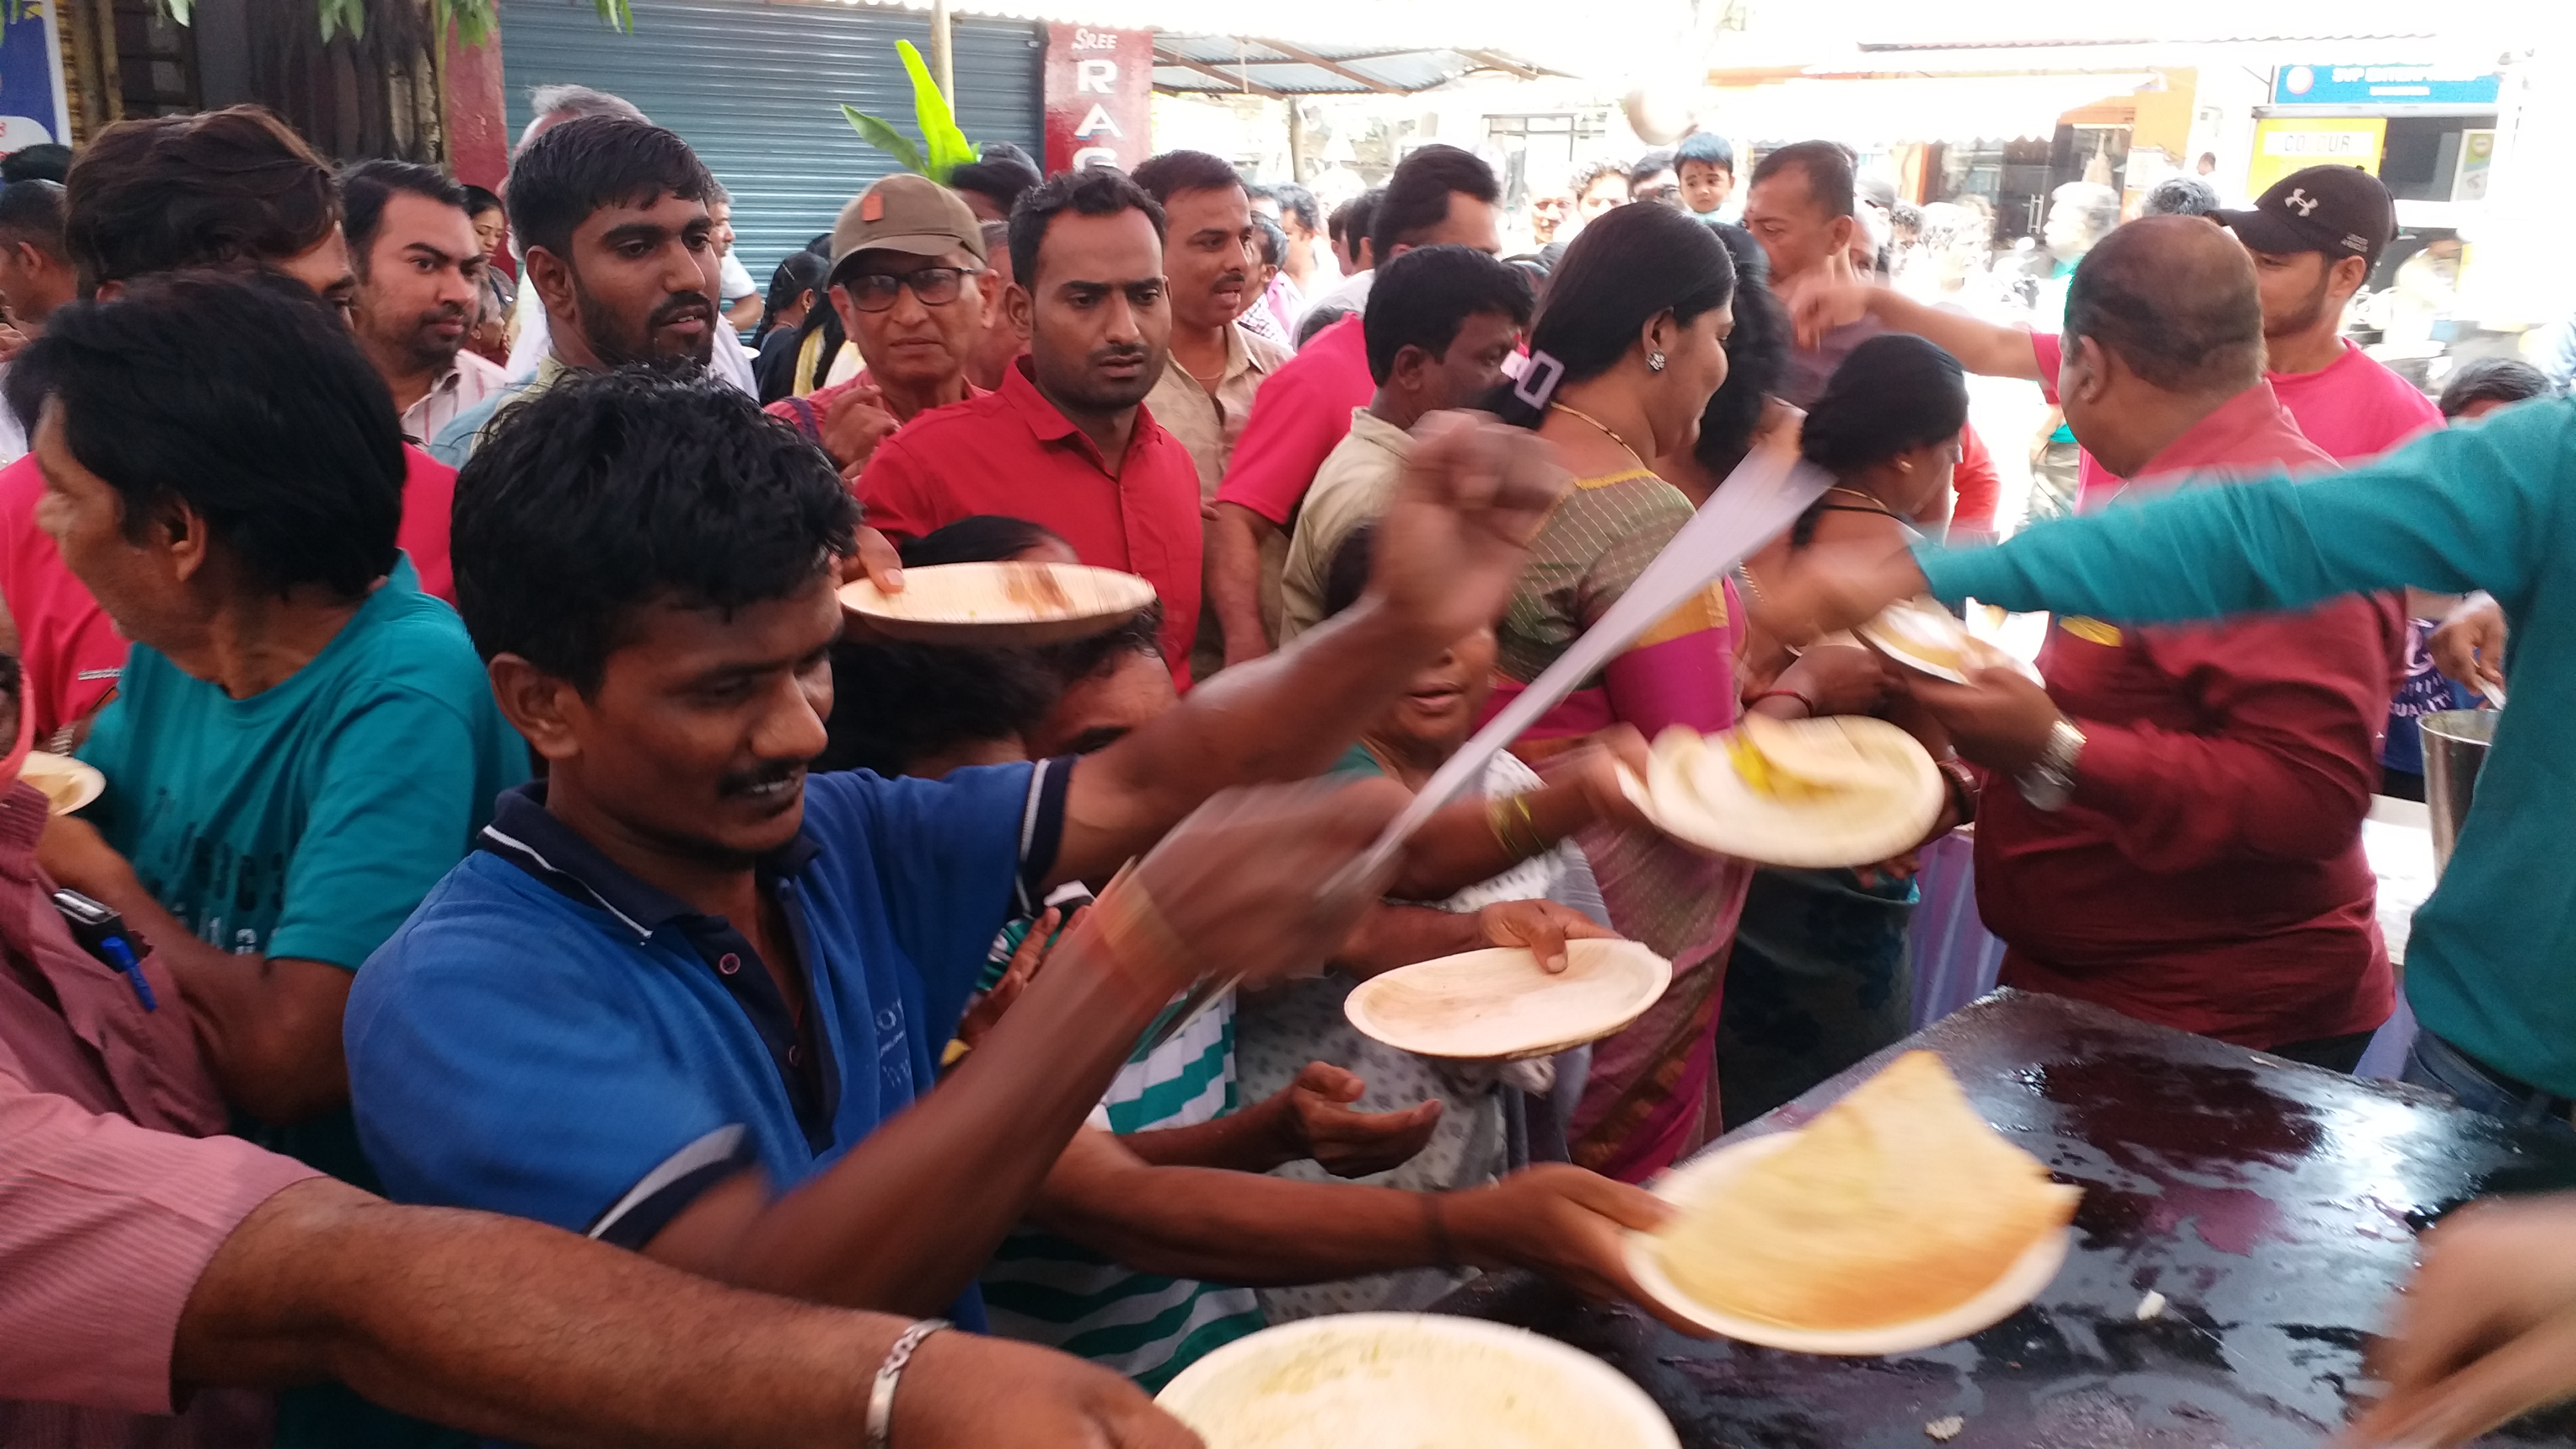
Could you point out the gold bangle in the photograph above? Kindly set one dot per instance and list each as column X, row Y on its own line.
column 1498, row 819
column 1538, row 841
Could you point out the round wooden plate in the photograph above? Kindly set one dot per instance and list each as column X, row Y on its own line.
column 68, row 784
column 1499, row 1005
column 1420, row 1380
column 1922, row 636
column 2029, row 1275
column 997, row 605
column 1797, row 834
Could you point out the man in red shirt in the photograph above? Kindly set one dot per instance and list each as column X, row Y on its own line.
column 2314, row 238
column 911, row 280
column 2173, row 827
column 1067, row 442
column 222, row 189
column 1439, row 194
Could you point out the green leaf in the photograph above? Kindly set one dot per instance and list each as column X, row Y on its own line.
column 884, row 137
column 946, row 146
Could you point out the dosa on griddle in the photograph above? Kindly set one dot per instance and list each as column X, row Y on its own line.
column 1895, row 1204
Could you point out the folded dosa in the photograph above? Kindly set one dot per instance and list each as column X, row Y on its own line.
column 1895, row 1204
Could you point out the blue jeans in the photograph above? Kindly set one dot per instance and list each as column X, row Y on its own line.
column 2433, row 1062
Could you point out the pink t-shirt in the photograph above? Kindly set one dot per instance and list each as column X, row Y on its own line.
column 1301, row 414
column 2351, row 409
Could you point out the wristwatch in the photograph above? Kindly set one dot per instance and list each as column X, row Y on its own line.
column 2050, row 781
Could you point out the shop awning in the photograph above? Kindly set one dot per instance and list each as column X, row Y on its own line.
column 1236, row 65
column 1888, row 110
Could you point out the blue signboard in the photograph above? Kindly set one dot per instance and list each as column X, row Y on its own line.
column 2384, row 85
column 31, row 79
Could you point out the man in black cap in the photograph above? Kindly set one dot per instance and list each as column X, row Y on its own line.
column 2315, row 237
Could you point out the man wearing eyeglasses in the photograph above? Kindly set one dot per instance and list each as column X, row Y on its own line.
column 910, row 282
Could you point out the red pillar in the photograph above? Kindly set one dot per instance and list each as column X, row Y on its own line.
column 478, row 139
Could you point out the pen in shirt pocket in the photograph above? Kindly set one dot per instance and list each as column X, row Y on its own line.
column 101, row 932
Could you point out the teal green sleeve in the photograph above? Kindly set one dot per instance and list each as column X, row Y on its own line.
column 2473, row 507
column 399, row 796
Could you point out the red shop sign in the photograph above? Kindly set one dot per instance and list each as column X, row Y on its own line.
column 1099, row 97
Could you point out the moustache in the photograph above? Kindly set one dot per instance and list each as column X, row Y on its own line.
column 1233, row 278
column 775, row 772
column 683, row 307
column 443, row 312
column 1103, row 357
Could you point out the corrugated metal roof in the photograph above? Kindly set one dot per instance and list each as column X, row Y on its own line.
column 1227, row 63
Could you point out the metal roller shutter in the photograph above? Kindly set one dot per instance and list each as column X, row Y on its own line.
column 757, row 90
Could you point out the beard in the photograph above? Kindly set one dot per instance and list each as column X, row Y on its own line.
column 2309, row 313
column 426, row 347
column 618, row 340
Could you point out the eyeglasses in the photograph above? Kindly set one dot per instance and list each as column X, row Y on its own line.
column 935, row 286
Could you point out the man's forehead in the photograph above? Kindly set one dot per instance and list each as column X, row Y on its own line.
column 1118, row 250
column 661, row 208
column 677, row 632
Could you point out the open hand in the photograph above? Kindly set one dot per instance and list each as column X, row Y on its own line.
column 1838, row 679
column 2486, row 1331
column 1316, row 1121
column 968, row 1391
column 1594, row 768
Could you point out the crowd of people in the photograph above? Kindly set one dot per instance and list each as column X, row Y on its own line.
column 535, row 970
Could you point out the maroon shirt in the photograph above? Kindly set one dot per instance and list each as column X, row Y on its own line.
column 2208, row 874
column 1011, row 452
column 111, row 1202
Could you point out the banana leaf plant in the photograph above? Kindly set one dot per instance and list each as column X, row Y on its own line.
column 942, row 148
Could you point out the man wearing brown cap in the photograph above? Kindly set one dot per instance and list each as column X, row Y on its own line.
column 910, row 282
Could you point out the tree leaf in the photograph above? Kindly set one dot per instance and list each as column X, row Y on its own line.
column 885, row 138
column 945, row 147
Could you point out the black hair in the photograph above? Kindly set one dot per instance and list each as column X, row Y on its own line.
column 583, row 165
column 1757, row 358
column 1623, row 270
column 367, row 186
column 797, row 274
column 999, row 178
column 1076, row 660
column 895, row 704
column 479, row 200
column 1351, row 221
column 2180, row 196
column 44, row 161
column 1274, row 240
column 1295, row 200
column 1346, row 574
column 1708, row 148
column 1893, row 393
column 1417, row 195
column 2185, row 318
column 1319, row 317
column 1828, row 168
column 32, row 212
column 1650, row 165
column 208, row 190
column 1088, row 191
column 2494, row 379
column 243, row 396
column 614, row 491
column 1423, row 297
column 979, row 538
column 1173, row 172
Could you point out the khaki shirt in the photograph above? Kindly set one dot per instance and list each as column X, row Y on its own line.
column 1350, row 489
column 1208, row 423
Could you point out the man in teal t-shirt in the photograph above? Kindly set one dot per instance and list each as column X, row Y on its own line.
column 2491, row 960
column 303, row 741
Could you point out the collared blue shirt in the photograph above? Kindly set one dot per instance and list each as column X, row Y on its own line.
column 550, row 1037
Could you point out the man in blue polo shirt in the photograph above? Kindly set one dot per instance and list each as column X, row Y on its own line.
column 682, row 996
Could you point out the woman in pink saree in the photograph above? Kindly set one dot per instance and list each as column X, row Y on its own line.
column 1624, row 355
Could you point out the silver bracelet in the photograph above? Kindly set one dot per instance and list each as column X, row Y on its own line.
column 2050, row 781
column 889, row 1374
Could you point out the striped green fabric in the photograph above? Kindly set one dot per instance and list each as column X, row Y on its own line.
column 1047, row 1289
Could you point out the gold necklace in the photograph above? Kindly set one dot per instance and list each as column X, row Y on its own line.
column 1871, row 500
column 1604, row 430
